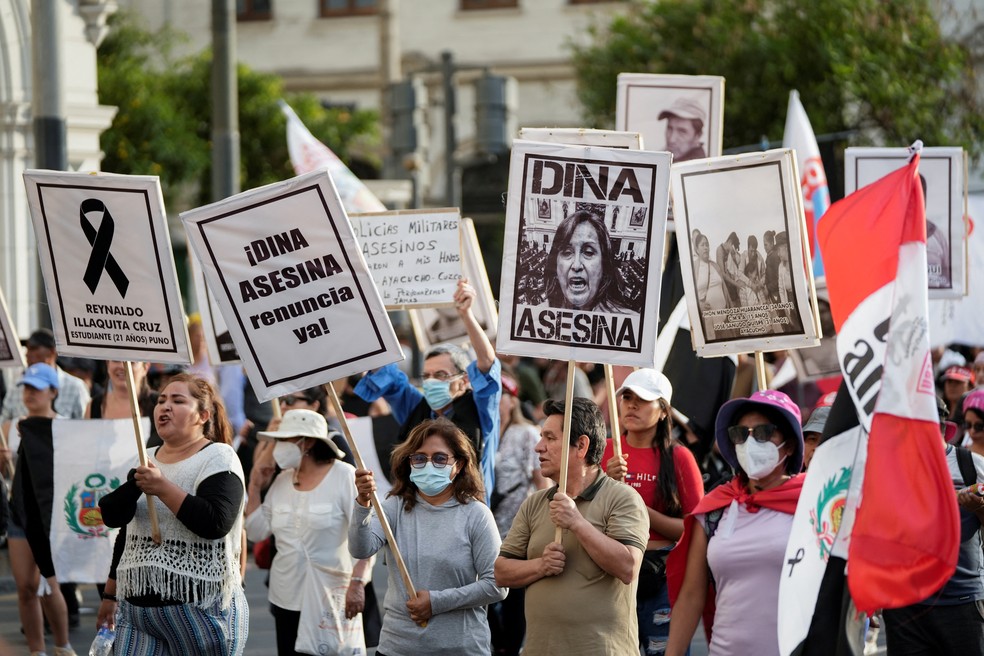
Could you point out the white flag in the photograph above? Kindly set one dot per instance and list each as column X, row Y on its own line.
column 308, row 154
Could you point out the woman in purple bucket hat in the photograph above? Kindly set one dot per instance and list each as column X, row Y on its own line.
column 749, row 519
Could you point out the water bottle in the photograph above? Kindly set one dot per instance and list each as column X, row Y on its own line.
column 103, row 644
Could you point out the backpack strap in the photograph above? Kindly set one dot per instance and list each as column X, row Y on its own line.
column 965, row 461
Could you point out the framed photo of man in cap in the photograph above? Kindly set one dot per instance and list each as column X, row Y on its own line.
column 682, row 114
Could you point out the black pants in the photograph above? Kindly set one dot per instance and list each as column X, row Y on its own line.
column 924, row 630
column 286, row 622
column 507, row 623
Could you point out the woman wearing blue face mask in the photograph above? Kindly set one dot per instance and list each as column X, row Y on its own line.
column 447, row 537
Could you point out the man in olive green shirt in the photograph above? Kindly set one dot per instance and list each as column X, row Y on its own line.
column 580, row 596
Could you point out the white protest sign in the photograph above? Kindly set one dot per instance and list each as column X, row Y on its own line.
column 290, row 279
column 584, row 137
column 221, row 349
column 108, row 269
column 10, row 352
column 582, row 254
column 414, row 255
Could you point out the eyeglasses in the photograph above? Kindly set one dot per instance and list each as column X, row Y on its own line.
column 440, row 460
column 976, row 426
column 761, row 433
column 439, row 375
column 291, row 399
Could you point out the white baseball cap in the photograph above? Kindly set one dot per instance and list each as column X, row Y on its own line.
column 648, row 385
column 303, row 423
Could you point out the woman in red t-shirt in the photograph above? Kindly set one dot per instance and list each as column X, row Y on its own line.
column 665, row 474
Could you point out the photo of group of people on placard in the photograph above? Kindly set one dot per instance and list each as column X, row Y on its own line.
column 744, row 285
column 576, row 263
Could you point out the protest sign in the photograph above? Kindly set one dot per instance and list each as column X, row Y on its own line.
column 683, row 114
column 218, row 340
column 741, row 234
column 584, row 137
column 414, row 255
column 435, row 325
column 941, row 173
column 292, row 285
column 106, row 258
column 10, row 352
column 582, row 255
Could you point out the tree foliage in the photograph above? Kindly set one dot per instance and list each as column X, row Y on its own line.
column 163, row 124
column 883, row 70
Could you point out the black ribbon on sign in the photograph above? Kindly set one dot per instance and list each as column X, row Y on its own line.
column 100, row 258
column 795, row 560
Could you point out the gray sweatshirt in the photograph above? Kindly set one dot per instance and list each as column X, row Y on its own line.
column 450, row 551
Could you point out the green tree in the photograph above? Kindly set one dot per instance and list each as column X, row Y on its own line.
column 163, row 125
column 881, row 69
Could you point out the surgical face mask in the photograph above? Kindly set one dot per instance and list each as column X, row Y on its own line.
column 437, row 393
column 431, row 480
column 758, row 459
column 287, row 454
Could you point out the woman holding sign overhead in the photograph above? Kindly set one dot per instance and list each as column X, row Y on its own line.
column 580, row 270
column 448, row 539
column 185, row 595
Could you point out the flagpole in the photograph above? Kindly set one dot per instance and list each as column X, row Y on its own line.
column 373, row 497
column 565, row 452
column 155, row 529
column 613, row 412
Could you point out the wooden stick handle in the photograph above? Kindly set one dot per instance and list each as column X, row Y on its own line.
column 155, row 528
column 565, row 452
column 9, row 465
column 760, row 371
column 613, row 412
column 373, row 499
column 275, row 404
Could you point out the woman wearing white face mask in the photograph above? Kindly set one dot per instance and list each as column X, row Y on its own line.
column 308, row 508
column 448, row 540
column 740, row 532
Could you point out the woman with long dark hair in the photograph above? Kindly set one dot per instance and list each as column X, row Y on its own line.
column 170, row 601
column 666, row 476
column 580, row 270
column 448, row 540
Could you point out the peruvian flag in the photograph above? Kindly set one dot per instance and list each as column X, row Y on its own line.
column 308, row 154
column 903, row 544
column 813, row 180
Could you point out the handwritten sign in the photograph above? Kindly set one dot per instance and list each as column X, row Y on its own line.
column 414, row 256
column 292, row 285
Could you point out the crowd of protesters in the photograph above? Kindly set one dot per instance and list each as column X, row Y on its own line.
column 647, row 534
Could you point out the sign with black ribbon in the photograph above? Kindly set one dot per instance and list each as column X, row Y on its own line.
column 106, row 258
column 293, row 286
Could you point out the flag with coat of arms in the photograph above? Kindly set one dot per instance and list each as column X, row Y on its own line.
column 878, row 500
column 64, row 467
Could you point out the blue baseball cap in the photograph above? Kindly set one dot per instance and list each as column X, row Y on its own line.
column 40, row 376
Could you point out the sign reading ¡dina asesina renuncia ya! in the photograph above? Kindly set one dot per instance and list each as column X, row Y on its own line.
column 292, row 285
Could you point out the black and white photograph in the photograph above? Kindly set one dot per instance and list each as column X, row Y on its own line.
column 743, row 254
column 941, row 172
column 436, row 325
column 584, row 286
column 10, row 352
column 584, row 137
column 821, row 361
column 682, row 114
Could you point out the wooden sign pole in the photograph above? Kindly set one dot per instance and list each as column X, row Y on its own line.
column 155, row 528
column 613, row 412
column 760, row 371
column 565, row 450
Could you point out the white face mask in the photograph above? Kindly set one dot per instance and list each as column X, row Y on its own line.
column 287, row 454
column 758, row 459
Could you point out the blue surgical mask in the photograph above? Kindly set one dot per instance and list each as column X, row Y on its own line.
column 431, row 480
column 437, row 393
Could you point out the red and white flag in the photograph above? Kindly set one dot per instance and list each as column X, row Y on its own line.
column 905, row 535
column 798, row 135
column 308, row 154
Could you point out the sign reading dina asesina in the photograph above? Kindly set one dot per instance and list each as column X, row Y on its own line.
column 583, row 249
column 292, row 285
column 108, row 270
